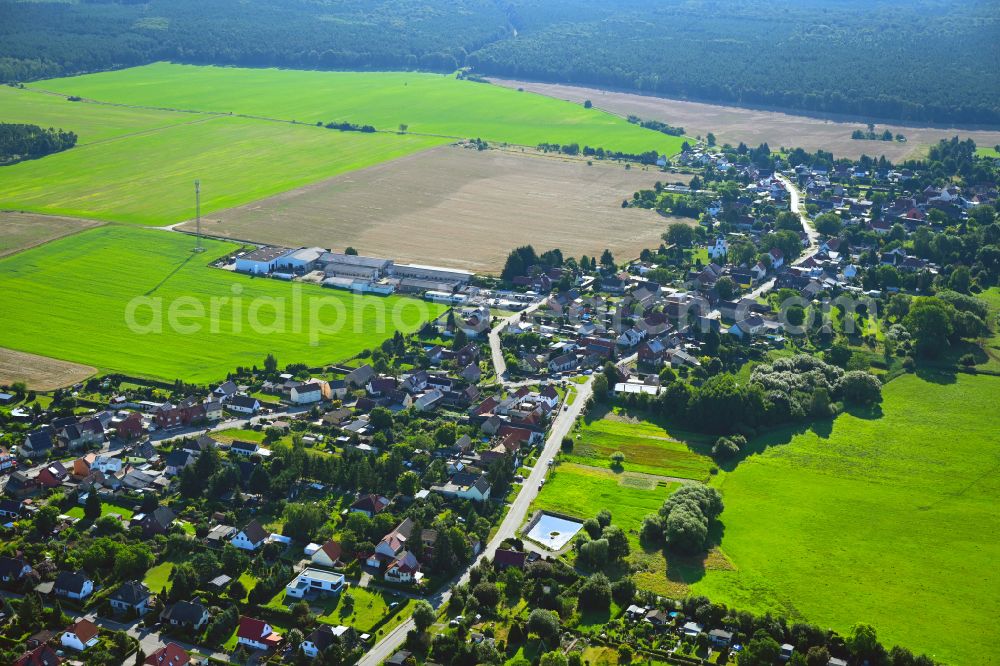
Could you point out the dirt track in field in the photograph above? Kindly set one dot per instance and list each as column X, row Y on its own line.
column 20, row 231
column 461, row 208
column 732, row 124
column 40, row 372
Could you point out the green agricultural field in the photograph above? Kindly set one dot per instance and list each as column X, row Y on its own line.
column 426, row 103
column 92, row 123
column 147, row 176
column 648, row 448
column 889, row 520
column 984, row 151
column 72, row 298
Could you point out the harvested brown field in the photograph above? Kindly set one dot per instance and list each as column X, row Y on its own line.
column 20, row 231
column 734, row 124
column 40, row 372
column 460, row 207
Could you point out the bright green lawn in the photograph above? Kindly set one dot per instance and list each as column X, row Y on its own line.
column 427, row 103
column 158, row 577
column 987, row 151
column 148, row 177
column 92, row 123
column 71, row 298
column 106, row 509
column 890, row 520
column 582, row 491
column 369, row 608
column 648, row 448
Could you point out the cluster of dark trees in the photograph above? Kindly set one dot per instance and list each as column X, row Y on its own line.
column 350, row 127
column 27, row 142
column 523, row 258
column 788, row 390
column 649, row 157
column 793, row 54
column 683, row 520
column 657, row 126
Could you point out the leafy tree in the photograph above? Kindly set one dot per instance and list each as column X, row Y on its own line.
column 828, row 224
column 930, row 323
column 618, row 548
column 762, row 650
column 46, row 519
column 595, row 593
column 726, row 287
column 553, row 658
column 302, row 521
column 543, row 623
column 423, row 615
column 270, row 364
column 679, row 234
column 92, row 509
column 409, row 483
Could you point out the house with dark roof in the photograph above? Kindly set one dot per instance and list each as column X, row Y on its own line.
column 505, row 559
column 10, row 509
column 243, row 404
column 43, row 655
column 20, row 485
column 131, row 597
column 13, row 570
column 241, row 448
column 177, row 461
column 73, row 585
column 322, row 638
column 370, row 505
column 38, row 443
column 251, row 537
column 187, row 614
column 155, row 522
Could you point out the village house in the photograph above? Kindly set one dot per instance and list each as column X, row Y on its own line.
column 404, row 568
column 130, row 598
column 391, row 545
column 322, row 638
column 13, row 570
column 313, row 582
column 328, row 555
column 251, row 537
column 256, row 634
column 42, row 655
column 189, row 615
column 465, row 486
column 370, row 505
column 80, row 635
column 170, row 654
column 243, row 404
column 73, row 585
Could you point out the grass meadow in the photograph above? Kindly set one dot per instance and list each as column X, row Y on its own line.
column 648, row 447
column 427, row 103
column 888, row 519
column 70, row 300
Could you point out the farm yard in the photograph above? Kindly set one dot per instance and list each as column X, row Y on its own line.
column 19, row 231
column 648, row 447
column 754, row 126
column 888, row 519
column 432, row 104
column 85, row 320
column 460, row 207
column 40, row 373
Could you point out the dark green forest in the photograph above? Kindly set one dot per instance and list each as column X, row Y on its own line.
column 27, row 142
column 923, row 60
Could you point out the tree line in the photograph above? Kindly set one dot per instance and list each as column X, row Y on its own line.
column 789, row 54
column 20, row 142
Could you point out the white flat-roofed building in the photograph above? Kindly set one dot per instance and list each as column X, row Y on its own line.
column 337, row 264
column 445, row 297
column 315, row 581
column 261, row 261
column 434, row 273
column 302, row 259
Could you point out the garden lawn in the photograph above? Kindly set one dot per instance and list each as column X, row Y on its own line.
column 147, row 176
column 106, row 509
column 427, row 103
column 370, row 607
column 70, row 299
column 157, row 578
column 889, row 520
column 581, row 492
column 648, row 448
